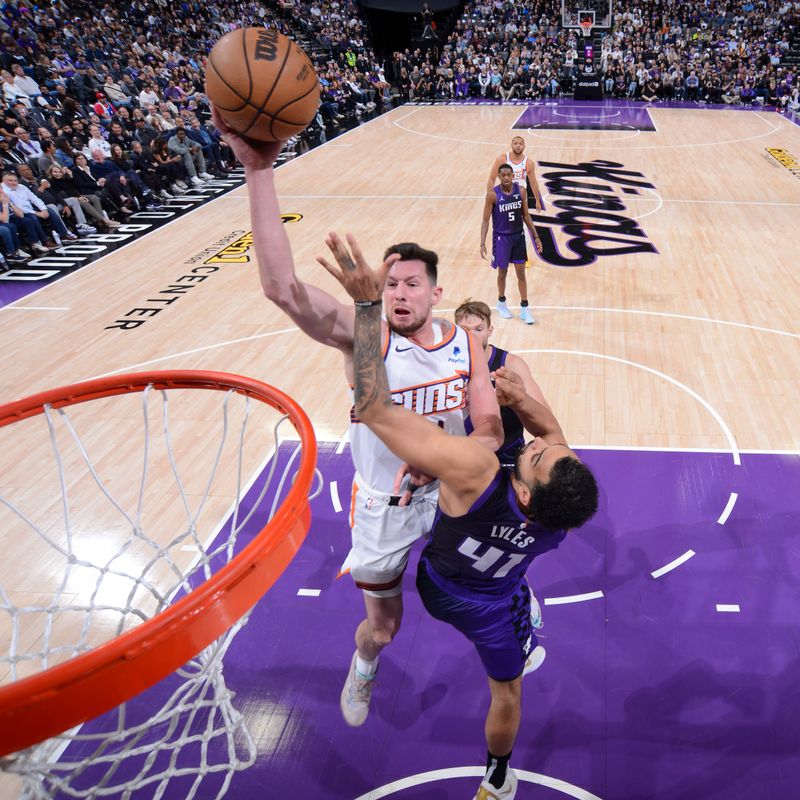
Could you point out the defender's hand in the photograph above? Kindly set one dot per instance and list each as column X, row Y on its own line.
column 508, row 386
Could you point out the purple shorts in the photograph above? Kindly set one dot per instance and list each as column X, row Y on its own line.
column 508, row 249
column 500, row 628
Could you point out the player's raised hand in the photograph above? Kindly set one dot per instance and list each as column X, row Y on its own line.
column 508, row 386
column 253, row 154
column 362, row 282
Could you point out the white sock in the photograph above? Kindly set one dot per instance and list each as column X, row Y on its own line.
column 366, row 668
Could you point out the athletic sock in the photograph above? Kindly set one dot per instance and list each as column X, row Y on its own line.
column 523, row 303
column 496, row 769
column 501, row 299
column 366, row 669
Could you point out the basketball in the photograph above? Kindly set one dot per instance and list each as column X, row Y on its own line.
column 262, row 83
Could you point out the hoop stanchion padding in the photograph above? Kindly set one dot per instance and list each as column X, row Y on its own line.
column 35, row 708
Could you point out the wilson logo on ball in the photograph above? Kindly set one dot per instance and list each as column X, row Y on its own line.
column 266, row 45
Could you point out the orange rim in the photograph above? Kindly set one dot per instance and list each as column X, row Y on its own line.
column 54, row 700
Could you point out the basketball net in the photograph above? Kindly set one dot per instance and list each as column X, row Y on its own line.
column 185, row 731
column 586, row 29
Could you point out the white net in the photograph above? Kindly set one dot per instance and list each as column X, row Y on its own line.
column 113, row 539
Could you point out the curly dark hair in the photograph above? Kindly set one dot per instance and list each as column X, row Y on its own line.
column 568, row 499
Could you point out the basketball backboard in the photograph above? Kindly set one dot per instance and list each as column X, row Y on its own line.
column 573, row 11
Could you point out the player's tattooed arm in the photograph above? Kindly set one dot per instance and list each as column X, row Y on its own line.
column 372, row 385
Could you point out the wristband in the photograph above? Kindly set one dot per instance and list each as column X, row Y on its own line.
column 367, row 303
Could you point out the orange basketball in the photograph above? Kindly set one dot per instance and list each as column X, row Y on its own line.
column 262, row 83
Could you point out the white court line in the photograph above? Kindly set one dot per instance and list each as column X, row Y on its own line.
column 37, row 308
column 673, row 564
column 194, row 350
column 342, row 444
column 537, row 133
column 723, row 517
column 473, row 197
column 712, row 450
column 733, row 607
column 308, row 592
column 663, row 314
column 337, row 506
column 574, row 598
column 652, row 210
column 714, row 413
column 389, row 789
column 540, row 144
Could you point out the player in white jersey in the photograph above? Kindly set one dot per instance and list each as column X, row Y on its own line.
column 449, row 378
column 524, row 173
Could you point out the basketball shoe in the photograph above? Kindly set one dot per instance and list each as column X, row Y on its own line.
column 536, row 612
column 526, row 316
column 535, row 660
column 356, row 695
column 502, row 309
column 507, row 791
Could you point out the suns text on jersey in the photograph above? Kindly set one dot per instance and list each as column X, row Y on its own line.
column 434, row 398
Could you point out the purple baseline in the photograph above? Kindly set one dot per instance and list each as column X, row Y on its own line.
column 646, row 692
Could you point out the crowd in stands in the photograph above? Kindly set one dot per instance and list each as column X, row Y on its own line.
column 103, row 111
column 729, row 51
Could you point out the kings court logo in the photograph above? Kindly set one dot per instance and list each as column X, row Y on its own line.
column 587, row 206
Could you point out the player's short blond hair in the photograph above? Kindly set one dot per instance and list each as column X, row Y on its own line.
column 473, row 308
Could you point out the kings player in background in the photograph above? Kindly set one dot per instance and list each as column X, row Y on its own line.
column 507, row 207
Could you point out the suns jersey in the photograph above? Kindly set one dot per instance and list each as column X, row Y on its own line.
column 431, row 381
column 520, row 170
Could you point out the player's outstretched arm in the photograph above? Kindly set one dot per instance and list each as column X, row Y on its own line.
column 314, row 310
column 484, row 412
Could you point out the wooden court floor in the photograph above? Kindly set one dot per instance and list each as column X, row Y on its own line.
column 695, row 345
column 680, row 330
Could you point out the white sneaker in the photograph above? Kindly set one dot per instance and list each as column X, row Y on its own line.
column 356, row 695
column 502, row 310
column 165, row 195
column 181, row 184
column 87, row 229
column 207, row 175
column 196, row 181
column 22, row 254
column 526, row 315
column 536, row 612
column 175, row 189
column 535, row 660
column 507, row 792
column 40, row 248
column 112, row 223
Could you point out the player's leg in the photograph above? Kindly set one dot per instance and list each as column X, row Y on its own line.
column 383, row 533
column 384, row 615
column 502, row 726
column 501, row 258
column 519, row 256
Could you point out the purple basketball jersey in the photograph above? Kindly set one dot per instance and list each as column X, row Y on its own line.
column 507, row 212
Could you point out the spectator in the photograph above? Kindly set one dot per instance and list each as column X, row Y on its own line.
column 170, row 166
column 85, row 206
column 29, row 213
column 192, row 154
